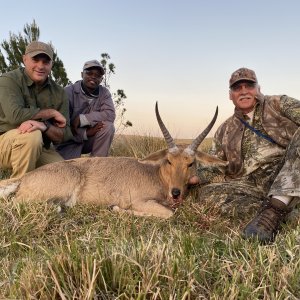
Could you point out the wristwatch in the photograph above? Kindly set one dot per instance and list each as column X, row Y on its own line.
column 47, row 124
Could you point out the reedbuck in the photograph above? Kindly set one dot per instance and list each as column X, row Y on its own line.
column 152, row 186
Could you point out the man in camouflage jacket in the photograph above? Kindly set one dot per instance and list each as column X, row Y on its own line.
column 261, row 142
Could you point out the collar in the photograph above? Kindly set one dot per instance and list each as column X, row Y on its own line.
column 85, row 91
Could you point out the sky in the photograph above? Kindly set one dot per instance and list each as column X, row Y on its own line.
column 178, row 53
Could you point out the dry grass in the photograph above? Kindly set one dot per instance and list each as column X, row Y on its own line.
column 141, row 145
column 90, row 252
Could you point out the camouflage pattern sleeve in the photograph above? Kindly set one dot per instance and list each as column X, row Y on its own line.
column 211, row 174
column 216, row 149
column 290, row 107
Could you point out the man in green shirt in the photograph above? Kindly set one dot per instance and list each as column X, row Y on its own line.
column 33, row 113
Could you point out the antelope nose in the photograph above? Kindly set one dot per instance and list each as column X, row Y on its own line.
column 175, row 193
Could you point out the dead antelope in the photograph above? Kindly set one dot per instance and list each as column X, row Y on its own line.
column 152, row 186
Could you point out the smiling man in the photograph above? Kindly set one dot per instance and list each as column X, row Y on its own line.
column 261, row 142
column 92, row 115
column 34, row 113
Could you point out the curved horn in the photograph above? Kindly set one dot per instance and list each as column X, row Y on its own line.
column 164, row 130
column 197, row 141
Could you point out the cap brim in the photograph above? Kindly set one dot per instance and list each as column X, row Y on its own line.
column 243, row 79
column 93, row 66
column 35, row 53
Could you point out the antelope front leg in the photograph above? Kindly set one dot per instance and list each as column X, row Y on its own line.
column 147, row 209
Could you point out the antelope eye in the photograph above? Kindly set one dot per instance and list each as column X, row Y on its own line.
column 168, row 162
column 191, row 164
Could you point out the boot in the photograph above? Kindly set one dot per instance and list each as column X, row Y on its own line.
column 265, row 225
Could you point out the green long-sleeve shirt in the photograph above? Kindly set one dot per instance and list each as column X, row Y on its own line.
column 21, row 99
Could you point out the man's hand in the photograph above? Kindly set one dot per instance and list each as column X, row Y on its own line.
column 31, row 125
column 59, row 120
column 91, row 131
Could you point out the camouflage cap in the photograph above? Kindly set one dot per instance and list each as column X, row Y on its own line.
column 242, row 74
column 93, row 64
column 36, row 47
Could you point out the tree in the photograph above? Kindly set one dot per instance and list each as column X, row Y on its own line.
column 15, row 48
column 118, row 96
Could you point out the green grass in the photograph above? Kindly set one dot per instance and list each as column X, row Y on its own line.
column 93, row 253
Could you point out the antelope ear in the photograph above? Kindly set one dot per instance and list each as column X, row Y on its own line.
column 210, row 160
column 154, row 158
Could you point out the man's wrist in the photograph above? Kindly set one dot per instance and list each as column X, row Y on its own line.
column 47, row 124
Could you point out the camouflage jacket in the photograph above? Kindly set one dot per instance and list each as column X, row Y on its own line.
column 275, row 116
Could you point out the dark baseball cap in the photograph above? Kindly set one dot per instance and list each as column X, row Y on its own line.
column 36, row 47
column 93, row 64
column 242, row 74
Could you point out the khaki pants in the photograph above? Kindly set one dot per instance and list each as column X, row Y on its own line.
column 24, row 152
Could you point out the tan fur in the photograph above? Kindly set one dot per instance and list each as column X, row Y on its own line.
column 142, row 187
column 152, row 186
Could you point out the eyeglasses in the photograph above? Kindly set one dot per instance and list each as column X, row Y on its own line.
column 239, row 86
column 94, row 74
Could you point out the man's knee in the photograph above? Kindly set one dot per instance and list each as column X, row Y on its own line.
column 109, row 128
column 33, row 139
column 102, row 140
column 107, row 132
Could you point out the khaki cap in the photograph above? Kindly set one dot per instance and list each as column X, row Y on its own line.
column 35, row 48
column 93, row 64
column 242, row 74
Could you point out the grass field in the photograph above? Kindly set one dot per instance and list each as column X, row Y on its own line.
column 89, row 252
